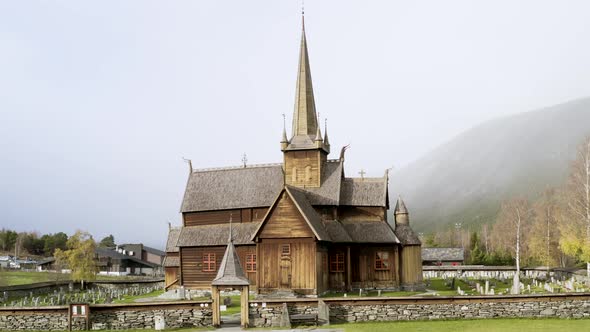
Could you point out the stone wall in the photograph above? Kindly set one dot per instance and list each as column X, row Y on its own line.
column 269, row 314
column 112, row 317
column 342, row 312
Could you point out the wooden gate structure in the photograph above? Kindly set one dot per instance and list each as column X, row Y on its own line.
column 230, row 275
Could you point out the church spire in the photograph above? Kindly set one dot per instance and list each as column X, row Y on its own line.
column 304, row 115
column 326, row 142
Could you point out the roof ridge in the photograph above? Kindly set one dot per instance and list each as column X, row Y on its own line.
column 366, row 178
column 210, row 169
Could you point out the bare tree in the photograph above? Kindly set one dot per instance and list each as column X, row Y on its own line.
column 510, row 229
column 544, row 236
column 576, row 224
column 486, row 238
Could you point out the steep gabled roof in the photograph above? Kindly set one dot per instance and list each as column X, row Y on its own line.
column 171, row 261
column 173, row 234
column 329, row 192
column 371, row 232
column 230, row 271
column 232, row 188
column 406, row 235
column 364, row 192
column 308, row 213
column 259, row 185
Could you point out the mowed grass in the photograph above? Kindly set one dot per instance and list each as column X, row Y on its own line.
column 481, row 325
column 12, row 278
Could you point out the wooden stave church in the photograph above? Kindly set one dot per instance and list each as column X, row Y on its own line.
column 300, row 226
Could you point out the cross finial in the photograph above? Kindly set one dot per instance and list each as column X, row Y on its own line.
column 362, row 173
column 244, row 160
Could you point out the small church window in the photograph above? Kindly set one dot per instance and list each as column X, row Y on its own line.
column 286, row 250
column 308, row 173
column 294, row 175
column 251, row 263
column 381, row 260
column 209, row 262
column 337, row 262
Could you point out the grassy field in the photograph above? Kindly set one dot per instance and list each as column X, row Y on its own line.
column 11, row 278
column 370, row 293
column 489, row 325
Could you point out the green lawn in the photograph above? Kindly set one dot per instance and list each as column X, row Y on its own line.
column 11, row 278
column 443, row 288
column 371, row 293
column 131, row 299
column 488, row 325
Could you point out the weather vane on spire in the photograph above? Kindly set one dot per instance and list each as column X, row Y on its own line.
column 303, row 13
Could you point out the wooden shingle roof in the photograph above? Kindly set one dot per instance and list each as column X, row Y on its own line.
column 364, row 192
column 309, row 214
column 443, row 254
column 230, row 271
column 171, row 261
column 232, row 188
column 259, row 185
column 406, row 235
column 173, row 234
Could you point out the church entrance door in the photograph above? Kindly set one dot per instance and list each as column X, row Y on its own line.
column 285, row 272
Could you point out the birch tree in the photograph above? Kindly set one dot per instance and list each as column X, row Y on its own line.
column 544, row 235
column 79, row 257
column 575, row 240
column 513, row 222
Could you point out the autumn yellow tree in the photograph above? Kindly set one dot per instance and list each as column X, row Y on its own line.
column 575, row 228
column 79, row 256
column 544, row 235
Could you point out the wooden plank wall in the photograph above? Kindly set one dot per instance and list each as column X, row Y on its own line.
column 302, row 265
column 222, row 216
column 170, row 275
column 285, row 220
column 194, row 277
column 242, row 252
column 362, row 213
column 298, row 161
column 411, row 265
column 363, row 272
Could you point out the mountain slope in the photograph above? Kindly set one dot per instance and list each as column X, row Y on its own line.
column 465, row 179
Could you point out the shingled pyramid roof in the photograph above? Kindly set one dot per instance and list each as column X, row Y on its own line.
column 230, row 272
column 400, row 206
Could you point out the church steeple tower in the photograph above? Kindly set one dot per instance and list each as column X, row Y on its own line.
column 304, row 115
column 306, row 152
column 305, row 118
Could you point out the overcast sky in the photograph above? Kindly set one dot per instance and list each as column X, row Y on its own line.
column 100, row 100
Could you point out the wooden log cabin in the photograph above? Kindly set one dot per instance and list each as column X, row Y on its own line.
column 300, row 226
